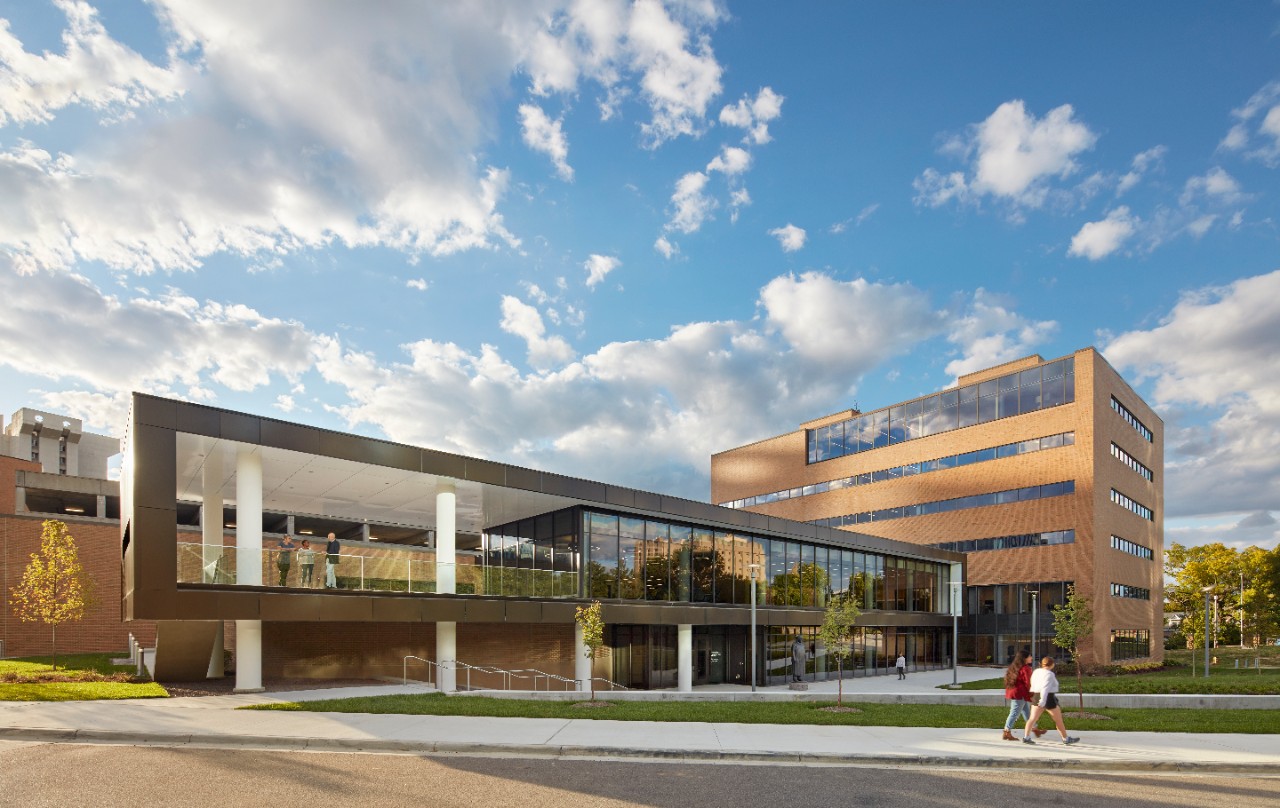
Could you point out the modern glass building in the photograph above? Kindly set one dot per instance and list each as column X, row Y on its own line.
column 453, row 563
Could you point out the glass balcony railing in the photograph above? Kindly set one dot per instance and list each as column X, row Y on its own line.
column 380, row 569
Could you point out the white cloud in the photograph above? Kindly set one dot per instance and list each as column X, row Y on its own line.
column 93, row 70
column 754, row 115
column 1097, row 240
column 547, row 136
column 417, row 283
column 1012, row 157
column 285, row 403
column 691, row 205
column 791, row 238
column 598, row 266
column 525, row 322
column 665, row 247
column 1143, row 162
column 732, row 160
column 1217, row 186
column 991, row 333
column 1200, row 226
column 679, row 78
column 1256, row 131
column 1214, row 355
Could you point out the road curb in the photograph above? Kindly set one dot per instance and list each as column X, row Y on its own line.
column 274, row 742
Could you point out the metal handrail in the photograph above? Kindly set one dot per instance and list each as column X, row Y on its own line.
column 532, row 674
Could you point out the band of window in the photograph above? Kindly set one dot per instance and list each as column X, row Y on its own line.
column 1130, row 505
column 1130, row 643
column 1132, row 548
column 923, row 467
column 1132, row 419
column 1132, row 462
column 1010, row 542
column 1126, row 591
column 947, row 505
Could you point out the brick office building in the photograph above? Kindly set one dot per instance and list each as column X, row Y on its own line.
column 1044, row 473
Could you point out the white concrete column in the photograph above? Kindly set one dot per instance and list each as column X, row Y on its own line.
column 446, row 657
column 248, row 655
column 581, row 664
column 446, row 537
column 211, row 528
column 216, row 667
column 20, row 499
column 684, row 658
column 100, row 506
column 248, row 519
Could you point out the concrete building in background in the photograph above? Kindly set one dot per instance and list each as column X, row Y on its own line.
column 58, row 443
column 1045, row 474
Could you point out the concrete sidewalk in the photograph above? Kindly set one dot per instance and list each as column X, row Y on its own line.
column 214, row 721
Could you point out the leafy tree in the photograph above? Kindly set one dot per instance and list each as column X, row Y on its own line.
column 55, row 588
column 590, row 620
column 1072, row 625
column 837, row 633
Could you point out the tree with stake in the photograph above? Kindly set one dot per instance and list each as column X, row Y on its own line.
column 54, row 587
column 836, row 634
column 1072, row 624
column 591, row 623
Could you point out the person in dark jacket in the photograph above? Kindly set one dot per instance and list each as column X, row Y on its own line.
column 332, row 551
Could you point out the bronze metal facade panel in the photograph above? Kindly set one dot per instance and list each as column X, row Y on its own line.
column 558, row 612
column 622, row 497
column 198, row 604
column 648, row 501
column 485, row 611
column 398, row 610
column 572, row 487
column 239, row 606
column 343, row 608
column 447, row 609
column 485, row 471
column 155, row 468
column 153, row 411
column 198, row 420
column 293, row 437
column 444, row 464
column 524, row 479
column 239, row 427
column 290, row 607
column 524, row 611
column 155, row 566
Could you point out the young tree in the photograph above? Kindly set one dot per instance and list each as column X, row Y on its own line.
column 1072, row 624
column 55, row 588
column 836, row 634
column 591, row 622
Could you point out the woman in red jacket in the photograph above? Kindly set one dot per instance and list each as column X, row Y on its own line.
column 1017, row 688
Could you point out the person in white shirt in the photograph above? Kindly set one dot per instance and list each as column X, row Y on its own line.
column 1045, row 682
column 901, row 665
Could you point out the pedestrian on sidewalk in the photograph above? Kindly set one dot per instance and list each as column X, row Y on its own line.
column 901, row 665
column 1045, row 682
column 1017, row 689
column 798, row 655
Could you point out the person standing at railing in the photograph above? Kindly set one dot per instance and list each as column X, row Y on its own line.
column 332, row 551
column 306, row 562
column 284, row 558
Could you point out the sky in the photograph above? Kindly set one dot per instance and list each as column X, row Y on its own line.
column 610, row 239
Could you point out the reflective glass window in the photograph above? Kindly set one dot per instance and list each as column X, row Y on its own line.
column 681, row 561
column 703, row 566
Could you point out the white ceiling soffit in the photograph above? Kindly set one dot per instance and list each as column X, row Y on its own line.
column 300, row 483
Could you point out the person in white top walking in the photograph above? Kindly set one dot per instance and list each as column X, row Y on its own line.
column 1045, row 682
column 901, row 665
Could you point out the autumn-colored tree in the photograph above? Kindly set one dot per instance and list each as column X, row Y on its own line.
column 837, row 633
column 55, row 588
column 590, row 620
column 1072, row 624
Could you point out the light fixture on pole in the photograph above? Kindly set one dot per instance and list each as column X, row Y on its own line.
column 1035, row 625
column 957, row 587
column 1207, row 590
column 753, row 568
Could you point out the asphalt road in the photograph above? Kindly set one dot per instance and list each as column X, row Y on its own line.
column 38, row 774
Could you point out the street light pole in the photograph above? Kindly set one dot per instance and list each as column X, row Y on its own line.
column 956, row 590
column 1241, row 609
column 1035, row 626
column 753, row 568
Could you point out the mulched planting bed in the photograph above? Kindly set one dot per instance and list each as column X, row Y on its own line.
column 227, row 685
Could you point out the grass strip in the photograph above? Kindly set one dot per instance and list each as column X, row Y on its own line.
column 71, row 667
column 871, row 715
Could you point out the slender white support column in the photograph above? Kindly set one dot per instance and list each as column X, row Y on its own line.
column 446, row 537
column 100, row 506
column 248, row 519
column 211, row 528
column 446, row 656
column 684, row 658
column 581, row 665
column 446, row 582
column 248, row 656
column 216, row 667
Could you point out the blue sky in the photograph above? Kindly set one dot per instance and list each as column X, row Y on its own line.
column 612, row 238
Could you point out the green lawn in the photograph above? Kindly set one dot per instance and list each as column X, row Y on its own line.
column 884, row 715
column 1176, row 677
column 85, row 677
